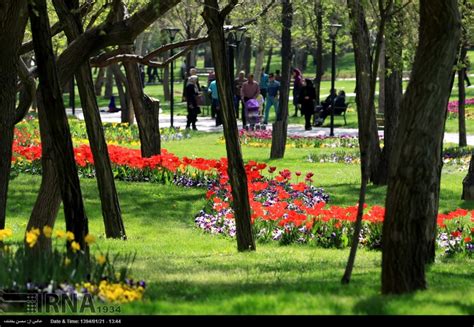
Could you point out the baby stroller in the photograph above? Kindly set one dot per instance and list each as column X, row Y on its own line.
column 252, row 114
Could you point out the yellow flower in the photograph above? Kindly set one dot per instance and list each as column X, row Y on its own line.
column 47, row 231
column 5, row 233
column 101, row 259
column 35, row 231
column 31, row 238
column 67, row 261
column 90, row 239
column 70, row 236
column 75, row 246
column 60, row 234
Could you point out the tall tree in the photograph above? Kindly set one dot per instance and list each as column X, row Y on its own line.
column 56, row 119
column 280, row 127
column 114, row 228
column 318, row 11
column 367, row 60
column 215, row 19
column 409, row 228
column 13, row 17
column 393, row 89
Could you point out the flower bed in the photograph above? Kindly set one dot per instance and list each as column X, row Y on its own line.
column 298, row 214
column 66, row 273
column 453, row 108
column 263, row 138
column 27, row 133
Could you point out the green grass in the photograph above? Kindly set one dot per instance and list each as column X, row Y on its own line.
column 192, row 273
column 189, row 272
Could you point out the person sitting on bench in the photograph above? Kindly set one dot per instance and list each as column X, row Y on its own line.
column 325, row 109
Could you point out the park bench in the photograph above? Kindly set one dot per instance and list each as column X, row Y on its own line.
column 341, row 113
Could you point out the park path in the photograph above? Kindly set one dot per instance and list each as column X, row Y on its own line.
column 207, row 124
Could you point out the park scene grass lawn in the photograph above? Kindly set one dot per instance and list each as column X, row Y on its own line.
column 190, row 272
column 131, row 185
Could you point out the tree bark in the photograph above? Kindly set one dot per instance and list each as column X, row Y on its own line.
column 269, row 60
column 13, row 16
column 99, row 82
column 48, row 201
column 148, row 126
column 382, row 72
column 393, row 91
column 365, row 89
column 462, row 98
column 280, row 127
column 246, row 55
column 127, row 113
column 468, row 183
column 318, row 11
column 56, row 119
column 260, row 56
column 409, row 229
column 109, row 83
column 114, row 227
column 236, row 170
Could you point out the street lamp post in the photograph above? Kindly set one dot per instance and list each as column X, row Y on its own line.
column 172, row 31
column 333, row 29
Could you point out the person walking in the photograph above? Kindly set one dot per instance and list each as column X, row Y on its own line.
column 307, row 98
column 272, row 97
column 238, row 82
column 297, row 85
column 192, row 92
column 215, row 105
column 250, row 90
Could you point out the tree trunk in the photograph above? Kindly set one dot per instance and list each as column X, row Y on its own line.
column 109, row 83
column 236, row 170
column 409, row 229
column 280, row 127
column 111, row 212
column 48, row 201
column 260, row 56
column 99, row 82
column 462, row 98
column 393, row 92
column 246, row 55
column 382, row 72
column 318, row 11
column 13, row 17
column 269, row 60
column 127, row 114
column 56, row 119
column 208, row 56
column 468, row 183
column 148, row 125
column 365, row 89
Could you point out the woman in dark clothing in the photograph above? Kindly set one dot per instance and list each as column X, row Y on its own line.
column 307, row 98
column 297, row 85
column 191, row 92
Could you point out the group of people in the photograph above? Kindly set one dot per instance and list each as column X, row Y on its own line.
column 304, row 99
column 267, row 91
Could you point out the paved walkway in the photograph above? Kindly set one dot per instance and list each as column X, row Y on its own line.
column 207, row 124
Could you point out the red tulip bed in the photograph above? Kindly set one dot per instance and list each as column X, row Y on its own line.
column 282, row 211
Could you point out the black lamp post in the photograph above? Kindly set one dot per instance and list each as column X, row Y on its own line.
column 172, row 31
column 333, row 29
